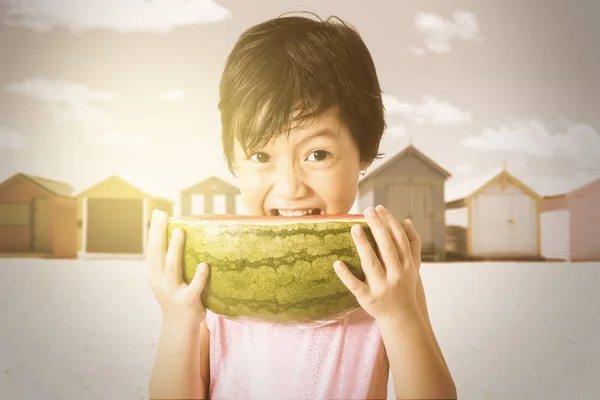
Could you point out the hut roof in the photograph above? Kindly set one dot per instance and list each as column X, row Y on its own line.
column 54, row 187
column 410, row 149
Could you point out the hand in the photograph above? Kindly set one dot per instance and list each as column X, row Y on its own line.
column 180, row 303
column 390, row 286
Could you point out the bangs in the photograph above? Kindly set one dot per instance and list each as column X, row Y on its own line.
column 289, row 99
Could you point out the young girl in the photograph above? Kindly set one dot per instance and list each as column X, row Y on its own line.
column 314, row 81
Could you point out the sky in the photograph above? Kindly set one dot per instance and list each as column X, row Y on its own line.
column 130, row 87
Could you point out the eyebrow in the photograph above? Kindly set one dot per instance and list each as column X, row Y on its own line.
column 324, row 132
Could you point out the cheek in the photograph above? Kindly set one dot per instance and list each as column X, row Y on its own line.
column 339, row 191
column 252, row 195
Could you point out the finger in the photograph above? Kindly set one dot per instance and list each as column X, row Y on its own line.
column 156, row 247
column 368, row 258
column 399, row 236
column 414, row 240
column 387, row 248
column 173, row 260
column 358, row 288
column 198, row 281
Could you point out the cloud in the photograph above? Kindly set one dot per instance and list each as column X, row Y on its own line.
column 417, row 51
column 429, row 111
column 83, row 113
column 58, row 91
column 11, row 140
column 118, row 15
column 175, row 94
column 69, row 101
column 397, row 130
column 438, row 32
column 577, row 141
column 391, row 103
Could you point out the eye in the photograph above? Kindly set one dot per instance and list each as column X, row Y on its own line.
column 319, row 155
column 260, row 157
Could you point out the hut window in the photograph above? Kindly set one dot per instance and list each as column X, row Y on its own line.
column 15, row 214
column 197, row 204
column 219, row 204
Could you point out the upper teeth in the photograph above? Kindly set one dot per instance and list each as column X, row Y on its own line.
column 295, row 213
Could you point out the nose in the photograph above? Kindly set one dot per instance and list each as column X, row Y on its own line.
column 289, row 184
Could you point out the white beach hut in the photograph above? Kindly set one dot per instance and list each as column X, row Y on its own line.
column 500, row 220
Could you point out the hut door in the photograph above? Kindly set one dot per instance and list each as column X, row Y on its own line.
column 421, row 212
column 491, row 225
column 524, row 225
column 399, row 201
column 41, row 237
column 115, row 226
column 414, row 202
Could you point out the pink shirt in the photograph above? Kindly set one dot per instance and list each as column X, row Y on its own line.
column 342, row 360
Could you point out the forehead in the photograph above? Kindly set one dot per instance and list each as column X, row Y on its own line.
column 326, row 125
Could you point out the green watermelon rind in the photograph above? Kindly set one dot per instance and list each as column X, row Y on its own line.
column 295, row 284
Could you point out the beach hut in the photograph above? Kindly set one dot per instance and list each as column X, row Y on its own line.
column 208, row 190
column 571, row 224
column 38, row 216
column 114, row 217
column 499, row 220
column 410, row 185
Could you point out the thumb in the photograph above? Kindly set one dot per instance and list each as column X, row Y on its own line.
column 199, row 280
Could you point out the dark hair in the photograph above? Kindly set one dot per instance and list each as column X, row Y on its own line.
column 292, row 68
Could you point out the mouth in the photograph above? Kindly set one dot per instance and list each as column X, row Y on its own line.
column 278, row 212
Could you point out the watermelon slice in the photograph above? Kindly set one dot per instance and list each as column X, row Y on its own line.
column 274, row 269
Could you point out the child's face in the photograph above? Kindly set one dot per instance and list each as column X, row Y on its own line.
column 317, row 168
